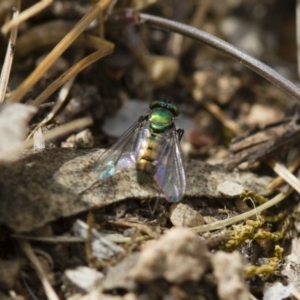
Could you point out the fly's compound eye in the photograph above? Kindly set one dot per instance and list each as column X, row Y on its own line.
column 169, row 106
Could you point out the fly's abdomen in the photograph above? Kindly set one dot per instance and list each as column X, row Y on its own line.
column 146, row 164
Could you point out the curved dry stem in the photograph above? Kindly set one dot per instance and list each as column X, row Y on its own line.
column 214, row 42
column 220, row 224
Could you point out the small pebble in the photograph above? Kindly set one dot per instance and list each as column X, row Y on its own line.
column 182, row 215
column 230, row 188
column 84, row 279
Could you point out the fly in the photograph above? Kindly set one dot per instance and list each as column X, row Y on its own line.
column 151, row 144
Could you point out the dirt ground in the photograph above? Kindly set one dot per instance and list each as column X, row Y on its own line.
column 223, row 223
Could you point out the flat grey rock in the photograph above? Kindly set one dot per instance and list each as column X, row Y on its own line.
column 46, row 185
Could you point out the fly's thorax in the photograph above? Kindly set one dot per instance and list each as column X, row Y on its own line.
column 160, row 119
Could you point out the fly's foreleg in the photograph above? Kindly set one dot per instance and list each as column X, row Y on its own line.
column 180, row 133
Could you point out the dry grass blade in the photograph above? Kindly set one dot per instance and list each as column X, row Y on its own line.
column 175, row 46
column 64, row 92
column 197, row 20
column 285, row 174
column 25, row 15
column 62, row 96
column 278, row 180
column 298, row 34
column 296, row 295
column 62, row 130
column 9, row 54
column 106, row 49
column 220, row 224
column 27, row 249
column 58, row 50
column 252, row 297
column 223, row 118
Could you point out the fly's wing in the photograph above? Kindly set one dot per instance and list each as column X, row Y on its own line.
column 170, row 174
column 124, row 152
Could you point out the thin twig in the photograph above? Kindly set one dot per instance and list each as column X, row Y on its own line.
column 25, row 15
column 27, row 249
column 214, row 42
column 49, row 239
column 9, row 54
column 58, row 50
column 74, row 239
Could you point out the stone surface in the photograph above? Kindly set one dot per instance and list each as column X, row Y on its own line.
column 46, row 185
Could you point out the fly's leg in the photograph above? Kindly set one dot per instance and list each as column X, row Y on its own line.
column 90, row 187
column 180, row 133
column 155, row 205
column 142, row 118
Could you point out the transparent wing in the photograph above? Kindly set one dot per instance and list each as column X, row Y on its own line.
column 170, row 174
column 124, row 152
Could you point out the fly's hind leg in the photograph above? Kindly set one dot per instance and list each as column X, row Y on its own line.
column 153, row 209
column 155, row 205
column 98, row 182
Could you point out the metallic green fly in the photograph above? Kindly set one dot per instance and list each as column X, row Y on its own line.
column 152, row 146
